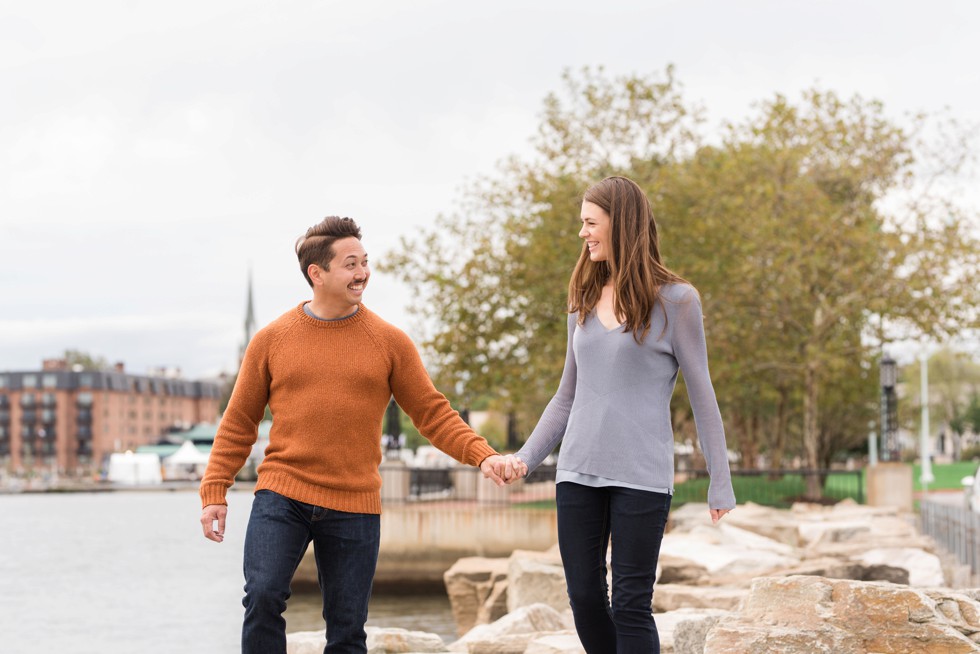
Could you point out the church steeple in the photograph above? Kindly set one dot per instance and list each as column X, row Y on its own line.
column 249, row 318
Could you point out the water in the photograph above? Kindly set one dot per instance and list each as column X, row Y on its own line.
column 128, row 572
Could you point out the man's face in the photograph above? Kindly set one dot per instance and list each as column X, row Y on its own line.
column 345, row 281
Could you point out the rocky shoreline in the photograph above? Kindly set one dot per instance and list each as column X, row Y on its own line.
column 847, row 579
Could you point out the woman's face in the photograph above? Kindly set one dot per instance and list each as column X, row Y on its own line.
column 596, row 231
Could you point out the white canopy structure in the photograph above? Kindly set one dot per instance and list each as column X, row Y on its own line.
column 188, row 462
column 134, row 469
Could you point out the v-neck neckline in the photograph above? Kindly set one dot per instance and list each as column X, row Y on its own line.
column 608, row 330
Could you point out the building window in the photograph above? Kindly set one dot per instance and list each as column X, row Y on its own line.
column 3, row 381
column 85, row 380
column 29, row 381
column 47, row 416
column 49, row 381
column 49, row 399
column 84, row 399
column 27, row 399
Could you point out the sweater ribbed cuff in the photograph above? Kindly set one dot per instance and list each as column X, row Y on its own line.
column 477, row 452
column 214, row 493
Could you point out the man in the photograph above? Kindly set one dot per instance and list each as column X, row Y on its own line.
column 327, row 370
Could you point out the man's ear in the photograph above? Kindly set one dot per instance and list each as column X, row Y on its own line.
column 315, row 272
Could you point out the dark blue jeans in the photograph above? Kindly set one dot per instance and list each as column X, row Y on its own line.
column 346, row 548
column 635, row 520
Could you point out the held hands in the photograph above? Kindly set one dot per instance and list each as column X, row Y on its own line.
column 503, row 469
column 211, row 513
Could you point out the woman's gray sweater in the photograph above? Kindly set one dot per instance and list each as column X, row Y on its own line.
column 612, row 407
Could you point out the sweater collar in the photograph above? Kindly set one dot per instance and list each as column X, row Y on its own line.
column 341, row 323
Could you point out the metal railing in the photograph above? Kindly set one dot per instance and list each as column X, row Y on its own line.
column 464, row 484
column 955, row 528
column 778, row 488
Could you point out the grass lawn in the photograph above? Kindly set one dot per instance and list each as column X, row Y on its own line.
column 782, row 492
column 947, row 475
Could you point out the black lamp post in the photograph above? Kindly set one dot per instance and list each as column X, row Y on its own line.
column 393, row 427
column 889, row 410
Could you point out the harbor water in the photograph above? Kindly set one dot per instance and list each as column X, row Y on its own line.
column 129, row 571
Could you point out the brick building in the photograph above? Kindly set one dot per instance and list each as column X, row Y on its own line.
column 74, row 419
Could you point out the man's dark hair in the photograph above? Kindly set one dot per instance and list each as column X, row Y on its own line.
column 316, row 246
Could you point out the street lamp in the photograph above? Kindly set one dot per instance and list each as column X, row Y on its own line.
column 393, row 428
column 925, row 476
column 889, row 439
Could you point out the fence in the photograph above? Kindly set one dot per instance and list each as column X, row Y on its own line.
column 779, row 488
column 955, row 528
column 464, row 484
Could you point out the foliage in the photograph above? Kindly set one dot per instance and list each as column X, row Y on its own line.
column 954, row 386
column 86, row 360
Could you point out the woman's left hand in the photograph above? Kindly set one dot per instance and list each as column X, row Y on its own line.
column 716, row 514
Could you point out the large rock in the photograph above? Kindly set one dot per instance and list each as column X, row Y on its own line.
column 523, row 623
column 774, row 524
column 691, row 633
column 807, row 615
column 401, row 641
column 535, row 578
column 469, row 583
column 726, row 550
column 668, row 625
column 306, row 642
column 846, row 569
column 558, row 643
column 924, row 568
column 379, row 641
column 676, row 570
column 671, row 597
column 495, row 606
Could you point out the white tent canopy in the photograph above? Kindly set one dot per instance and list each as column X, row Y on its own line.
column 188, row 462
column 134, row 469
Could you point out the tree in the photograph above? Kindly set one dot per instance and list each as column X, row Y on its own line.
column 954, row 383
column 86, row 360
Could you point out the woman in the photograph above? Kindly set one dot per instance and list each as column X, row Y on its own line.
column 632, row 324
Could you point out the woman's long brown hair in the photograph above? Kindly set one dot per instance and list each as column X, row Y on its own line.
column 635, row 265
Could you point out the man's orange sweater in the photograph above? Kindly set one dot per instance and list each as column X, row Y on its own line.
column 328, row 384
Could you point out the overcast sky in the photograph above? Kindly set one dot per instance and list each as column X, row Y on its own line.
column 152, row 152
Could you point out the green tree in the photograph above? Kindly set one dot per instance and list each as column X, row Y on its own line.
column 954, row 384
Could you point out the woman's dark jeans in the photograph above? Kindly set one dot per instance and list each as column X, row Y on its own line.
column 346, row 549
column 635, row 520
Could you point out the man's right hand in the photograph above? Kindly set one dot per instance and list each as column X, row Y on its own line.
column 211, row 513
